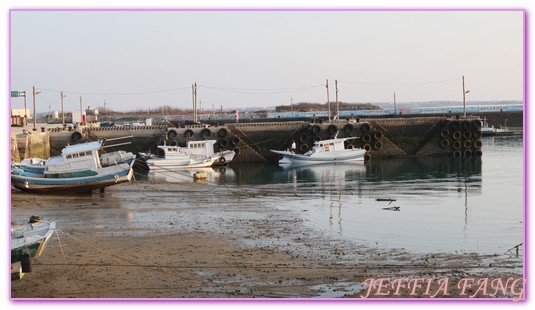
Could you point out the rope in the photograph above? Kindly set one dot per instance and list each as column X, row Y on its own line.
column 65, row 260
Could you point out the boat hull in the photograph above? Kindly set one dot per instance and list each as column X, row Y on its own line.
column 32, row 244
column 346, row 156
column 108, row 176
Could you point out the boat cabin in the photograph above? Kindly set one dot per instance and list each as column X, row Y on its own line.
column 75, row 161
column 202, row 148
column 331, row 145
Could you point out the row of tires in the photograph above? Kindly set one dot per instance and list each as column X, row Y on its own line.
column 458, row 144
column 467, row 153
column 205, row 133
column 348, row 129
column 457, row 134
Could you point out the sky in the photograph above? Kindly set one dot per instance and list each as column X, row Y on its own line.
column 126, row 60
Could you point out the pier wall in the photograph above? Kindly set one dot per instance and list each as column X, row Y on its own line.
column 381, row 137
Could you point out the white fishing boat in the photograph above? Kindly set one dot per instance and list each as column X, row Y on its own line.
column 78, row 169
column 324, row 151
column 28, row 240
column 205, row 149
column 197, row 154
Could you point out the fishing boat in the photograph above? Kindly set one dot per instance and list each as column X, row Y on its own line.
column 28, row 240
column 199, row 150
column 77, row 169
column 324, row 151
column 197, row 154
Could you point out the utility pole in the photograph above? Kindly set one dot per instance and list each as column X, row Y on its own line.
column 81, row 110
column 395, row 108
column 464, row 98
column 328, row 102
column 291, row 103
column 62, row 110
column 194, row 99
column 25, row 108
column 34, row 110
column 337, row 109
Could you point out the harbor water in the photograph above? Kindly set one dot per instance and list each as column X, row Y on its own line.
column 422, row 205
column 431, row 204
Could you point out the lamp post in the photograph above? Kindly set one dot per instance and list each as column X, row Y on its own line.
column 464, row 98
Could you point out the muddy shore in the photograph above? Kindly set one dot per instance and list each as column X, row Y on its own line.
column 184, row 240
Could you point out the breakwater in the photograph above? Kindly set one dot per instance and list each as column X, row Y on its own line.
column 381, row 137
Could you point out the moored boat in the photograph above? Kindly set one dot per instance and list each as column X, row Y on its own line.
column 29, row 240
column 324, row 151
column 78, row 169
column 197, row 154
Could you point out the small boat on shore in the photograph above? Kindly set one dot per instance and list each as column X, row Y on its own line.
column 78, row 169
column 324, row 151
column 198, row 154
column 29, row 240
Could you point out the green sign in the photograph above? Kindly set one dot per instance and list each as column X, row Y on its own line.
column 16, row 93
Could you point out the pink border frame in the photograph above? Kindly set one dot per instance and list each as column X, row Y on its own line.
column 284, row 300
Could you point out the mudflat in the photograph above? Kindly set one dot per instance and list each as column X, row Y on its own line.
column 183, row 240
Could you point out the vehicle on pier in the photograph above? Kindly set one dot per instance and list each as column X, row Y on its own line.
column 78, row 169
column 324, row 151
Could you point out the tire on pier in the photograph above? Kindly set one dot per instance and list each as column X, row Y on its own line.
column 445, row 133
column 367, row 147
column 172, row 134
column 235, row 140
column 467, row 153
column 377, row 135
column 478, row 144
column 467, row 134
column 316, row 129
column 332, row 129
column 206, row 133
column 457, row 145
column 477, row 124
column 378, row 145
column 367, row 157
column 466, row 125
column 224, row 143
column 467, row 144
column 444, row 143
column 303, row 137
column 188, row 133
column 222, row 132
column 348, row 129
column 236, row 150
column 365, row 127
column 304, row 147
column 76, row 136
column 366, row 138
column 457, row 154
column 457, row 135
column 478, row 153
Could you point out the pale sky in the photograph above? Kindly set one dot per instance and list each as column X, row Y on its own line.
column 139, row 59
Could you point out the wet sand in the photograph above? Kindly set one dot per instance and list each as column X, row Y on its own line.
column 184, row 240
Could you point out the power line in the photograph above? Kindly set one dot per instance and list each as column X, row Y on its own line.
column 402, row 84
column 259, row 91
column 117, row 94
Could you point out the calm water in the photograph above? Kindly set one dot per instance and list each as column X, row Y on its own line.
column 442, row 204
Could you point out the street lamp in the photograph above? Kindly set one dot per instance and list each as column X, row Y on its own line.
column 464, row 98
